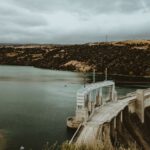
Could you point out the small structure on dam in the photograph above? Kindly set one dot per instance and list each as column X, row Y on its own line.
column 89, row 98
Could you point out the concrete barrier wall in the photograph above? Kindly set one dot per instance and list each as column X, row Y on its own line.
column 139, row 104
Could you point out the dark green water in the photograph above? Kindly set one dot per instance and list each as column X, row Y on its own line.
column 34, row 105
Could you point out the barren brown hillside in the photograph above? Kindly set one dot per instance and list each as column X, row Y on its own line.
column 126, row 58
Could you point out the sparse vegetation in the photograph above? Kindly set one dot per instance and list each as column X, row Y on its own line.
column 130, row 58
column 93, row 146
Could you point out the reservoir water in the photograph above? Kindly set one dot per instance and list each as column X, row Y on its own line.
column 34, row 105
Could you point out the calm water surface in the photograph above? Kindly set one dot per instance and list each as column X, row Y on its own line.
column 34, row 105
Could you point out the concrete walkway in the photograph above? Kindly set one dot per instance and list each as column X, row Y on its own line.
column 100, row 116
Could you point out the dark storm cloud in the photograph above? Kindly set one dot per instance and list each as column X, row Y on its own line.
column 70, row 21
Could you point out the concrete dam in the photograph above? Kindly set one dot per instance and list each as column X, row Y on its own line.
column 101, row 114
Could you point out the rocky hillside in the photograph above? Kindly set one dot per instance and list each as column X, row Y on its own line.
column 126, row 58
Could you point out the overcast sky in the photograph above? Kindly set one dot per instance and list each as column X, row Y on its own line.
column 73, row 21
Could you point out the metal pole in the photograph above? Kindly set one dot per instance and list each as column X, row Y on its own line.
column 106, row 74
column 94, row 76
column 84, row 79
column 106, row 38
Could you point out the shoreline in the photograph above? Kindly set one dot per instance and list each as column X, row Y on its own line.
column 124, row 80
column 125, row 59
column 3, row 140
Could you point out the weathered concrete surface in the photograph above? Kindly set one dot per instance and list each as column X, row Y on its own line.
column 102, row 115
column 126, row 121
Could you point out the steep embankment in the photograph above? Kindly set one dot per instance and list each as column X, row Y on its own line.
column 133, row 131
column 126, row 58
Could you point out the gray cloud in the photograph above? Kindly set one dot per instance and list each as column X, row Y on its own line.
column 70, row 21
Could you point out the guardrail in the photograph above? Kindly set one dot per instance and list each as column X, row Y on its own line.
column 76, row 133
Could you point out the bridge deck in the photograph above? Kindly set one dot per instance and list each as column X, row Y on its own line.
column 101, row 116
column 110, row 110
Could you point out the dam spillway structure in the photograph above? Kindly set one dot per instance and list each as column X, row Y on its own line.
column 90, row 98
column 98, row 108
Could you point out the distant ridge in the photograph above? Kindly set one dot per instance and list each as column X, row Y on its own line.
column 127, row 58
